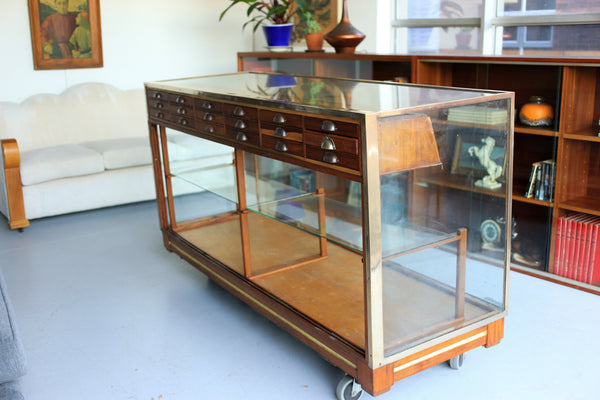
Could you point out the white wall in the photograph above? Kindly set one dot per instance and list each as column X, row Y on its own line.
column 146, row 40
column 142, row 40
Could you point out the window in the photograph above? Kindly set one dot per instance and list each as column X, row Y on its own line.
column 546, row 27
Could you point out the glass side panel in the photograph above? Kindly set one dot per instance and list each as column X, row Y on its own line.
column 318, row 203
column 304, row 243
column 448, row 169
column 327, row 93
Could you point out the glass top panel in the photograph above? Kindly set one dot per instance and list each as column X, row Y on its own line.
column 327, row 93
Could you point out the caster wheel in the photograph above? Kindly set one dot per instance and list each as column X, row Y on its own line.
column 456, row 362
column 348, row 389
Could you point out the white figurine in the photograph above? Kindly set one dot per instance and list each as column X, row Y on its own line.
column 494, row 170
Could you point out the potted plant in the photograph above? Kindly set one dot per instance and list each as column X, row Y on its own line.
column 275, row 16
column 313, row 36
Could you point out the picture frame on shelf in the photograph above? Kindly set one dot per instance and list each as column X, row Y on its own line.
column 467, row 163
column 65, row 34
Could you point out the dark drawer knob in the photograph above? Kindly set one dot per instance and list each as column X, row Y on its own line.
column 328, row 126
column 181, row 111
column 278, row 118
column 330, row 158
column 239, row 112
column 183, row 121
column 279, row 131
column 327, row 143
column 209, row 129
column 209, row 117
column 180, row 99
column 241, row 137
column 239, row 124
column 157, row 96
column 207, row 105
column 280, row 146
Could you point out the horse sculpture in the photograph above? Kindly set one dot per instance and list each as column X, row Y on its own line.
column 484, row 154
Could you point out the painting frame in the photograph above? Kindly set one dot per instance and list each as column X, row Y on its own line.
column 83, row 49
column 464, row 164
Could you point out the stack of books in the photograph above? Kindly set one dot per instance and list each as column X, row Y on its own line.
column 541, row 181
column 478, row 115
column 577, row 249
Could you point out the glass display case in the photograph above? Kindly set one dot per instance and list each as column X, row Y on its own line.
column 328, row 220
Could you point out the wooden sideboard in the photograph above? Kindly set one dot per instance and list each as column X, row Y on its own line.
column 572, row 142
column 327, row 220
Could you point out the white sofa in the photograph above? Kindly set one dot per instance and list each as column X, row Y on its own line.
column 86, row 148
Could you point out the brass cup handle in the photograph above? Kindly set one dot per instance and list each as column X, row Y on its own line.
column 207, row 105
column 180, row 99
column 280, row 146
column 208, row 117
column 159, row 114
column 327, row 143
column 239, row 124
column 209, row 129
column 239, row 111
column 278, row 118
column 183, row 121
column 157, row 96
column 241, row 137
column 328, row 126
column 279, row 131
column 330, row 158
column 181, row 111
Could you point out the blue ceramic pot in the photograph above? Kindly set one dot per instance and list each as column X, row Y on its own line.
column 278, row 35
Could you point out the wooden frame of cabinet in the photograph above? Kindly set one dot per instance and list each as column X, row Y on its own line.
column 570, row 85
column 355, row 144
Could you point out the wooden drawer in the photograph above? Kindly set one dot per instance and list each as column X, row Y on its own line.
column 170, row 98
column 210, row 128
column 339, row 158
column 210, row 117
column 159, row 113
column 184, row 121
column 282, row 119
column 242, row 112
column 208, row 105
column 241, row 124
column 330, row 126
column 285, row 132
column 332, row 142
column 283, row 145
column 242, row 137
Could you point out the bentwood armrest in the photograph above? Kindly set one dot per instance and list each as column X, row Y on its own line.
column 12, row 184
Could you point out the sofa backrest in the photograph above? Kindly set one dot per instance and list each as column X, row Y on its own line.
column 82, row 113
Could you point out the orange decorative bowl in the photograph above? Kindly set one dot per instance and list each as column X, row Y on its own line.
column 536, row 112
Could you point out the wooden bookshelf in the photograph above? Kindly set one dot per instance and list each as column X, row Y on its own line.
column 570, row 85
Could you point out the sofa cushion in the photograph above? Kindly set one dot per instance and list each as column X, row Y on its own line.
column 60, row 161
column 12, row 361
column 122, row 153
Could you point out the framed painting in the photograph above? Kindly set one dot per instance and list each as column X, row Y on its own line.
column 326, row 14
column 65, row 33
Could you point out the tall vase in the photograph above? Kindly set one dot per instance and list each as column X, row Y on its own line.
column 344, row 37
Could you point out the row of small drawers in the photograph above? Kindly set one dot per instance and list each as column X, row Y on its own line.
column 316, row 138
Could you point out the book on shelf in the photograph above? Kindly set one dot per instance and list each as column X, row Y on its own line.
column 541, row 180
column 478, row 115
column 577, row 248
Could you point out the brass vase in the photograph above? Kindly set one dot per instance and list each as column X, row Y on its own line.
column 344, row 37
